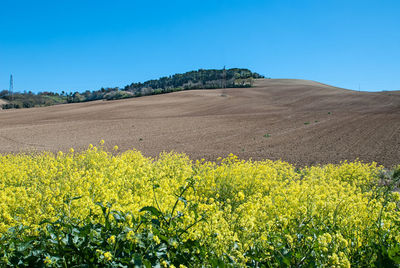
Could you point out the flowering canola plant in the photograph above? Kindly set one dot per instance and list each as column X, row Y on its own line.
column 257, row 213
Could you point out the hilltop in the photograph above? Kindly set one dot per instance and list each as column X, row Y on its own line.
column 300, row 121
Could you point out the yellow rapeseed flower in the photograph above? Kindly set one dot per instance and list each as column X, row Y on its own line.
column 107, row 256
column 111, row 240
column 156, row 239
column 247, row 204
column 47, row 261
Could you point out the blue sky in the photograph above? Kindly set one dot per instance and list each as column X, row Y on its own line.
column 85, row 45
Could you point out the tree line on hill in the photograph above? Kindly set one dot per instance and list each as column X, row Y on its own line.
column 200, row 79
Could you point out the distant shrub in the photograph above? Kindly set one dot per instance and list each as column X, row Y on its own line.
column 116, row 95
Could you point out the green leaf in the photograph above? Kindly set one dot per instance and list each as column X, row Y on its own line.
column 152, row 210
column 155, row 222
column 118, row 217
column 394, row 254
column 147, row 263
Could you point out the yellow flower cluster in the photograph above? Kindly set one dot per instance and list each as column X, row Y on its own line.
column 47, row 261
column 105, row 256
column 249, row 204
column 111, row 240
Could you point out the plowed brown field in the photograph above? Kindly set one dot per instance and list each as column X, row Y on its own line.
column 299, row 121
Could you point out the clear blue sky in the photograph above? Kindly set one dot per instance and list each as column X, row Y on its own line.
column 77, row 45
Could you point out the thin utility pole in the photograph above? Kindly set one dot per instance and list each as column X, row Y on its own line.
column 224, row 77
column 11, row 90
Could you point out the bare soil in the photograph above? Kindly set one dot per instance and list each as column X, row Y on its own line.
column 299, row 121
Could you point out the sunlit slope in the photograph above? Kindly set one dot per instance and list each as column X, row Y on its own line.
column 2, row 102
column 300, row 121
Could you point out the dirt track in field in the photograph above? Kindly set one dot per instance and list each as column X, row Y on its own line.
column 299, row 121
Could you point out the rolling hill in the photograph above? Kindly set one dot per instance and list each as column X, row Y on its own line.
column 299, row 121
